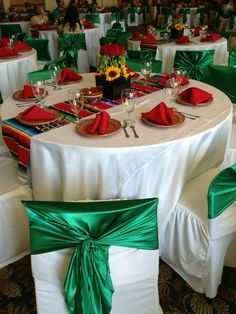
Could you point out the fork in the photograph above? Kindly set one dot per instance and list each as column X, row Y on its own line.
column 135, row 133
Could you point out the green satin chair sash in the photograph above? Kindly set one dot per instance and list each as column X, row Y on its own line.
column 41, row 46
column 143, row 11
column 166, row 12
column 141, row 54
column 90, row 228
column 202, row 12
column 9, row 29
column 232, row 58
column 122, row 38
column 93, row 18
column 223, row 78
column 134, row 58
column 45, row 73
column 222, row 192
column 62, row 61
column 132, row 12
column 184, row 12
column 194, row 62
column 70, row 44
column 117, row 16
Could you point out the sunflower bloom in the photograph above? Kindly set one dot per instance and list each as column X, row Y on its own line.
column 179, row 26
column 125, row 73
column 112, row 73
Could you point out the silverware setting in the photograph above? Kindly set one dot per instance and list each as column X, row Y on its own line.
column 51, row 125
column 25, row 104
column 135, row 133
column 188, row 115
column 124, row 126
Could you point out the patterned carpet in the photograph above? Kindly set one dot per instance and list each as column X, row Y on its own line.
column 176, row 297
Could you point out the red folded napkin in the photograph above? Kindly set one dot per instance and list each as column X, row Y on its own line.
column 136, row 36
column 88, row 24
column 64, row 107
column 211, row 37
column 5, row 52
column 182, row 40
column 20, row 46
column 149, row 39
column 35, row 113
column 69, row 75
column 27, row 92
column 182, row 79
column 100, row 124
column 43, row 27
column 4, row 42
column 195, row 95
column 160, row 114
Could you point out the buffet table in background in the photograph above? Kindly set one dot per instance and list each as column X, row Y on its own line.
column 157, row 164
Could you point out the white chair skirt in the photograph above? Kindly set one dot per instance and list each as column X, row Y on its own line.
column 134, row 275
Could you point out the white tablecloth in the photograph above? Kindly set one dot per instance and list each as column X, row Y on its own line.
column 25, row 26
column 67, row 166
column 166, row 52
column 92, row 37
column 14, row 72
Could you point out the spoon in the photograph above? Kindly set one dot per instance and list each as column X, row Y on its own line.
column 124, row 126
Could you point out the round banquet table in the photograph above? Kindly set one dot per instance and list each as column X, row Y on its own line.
column 166, row 52
column 25, row 26
column 92, row 37
column 67, row 166
column 14, row 72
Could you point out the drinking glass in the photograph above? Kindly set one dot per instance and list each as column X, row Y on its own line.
column 146, row 68
column 179, row 74
column 172, row 88
column 39, row 91
column 55, row 71
column 129, row 99
column 12, row 41
column 76, row 102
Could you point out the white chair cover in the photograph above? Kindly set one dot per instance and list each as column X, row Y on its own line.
column 14, row 227
column 134, row 275
column 195, row 246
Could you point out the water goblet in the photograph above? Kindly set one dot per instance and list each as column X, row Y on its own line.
column 76, row 102
column 129, row 99
column 146, row 68
column 55, row 71
column 39, row 91
column 172, row 89
column 12, row 41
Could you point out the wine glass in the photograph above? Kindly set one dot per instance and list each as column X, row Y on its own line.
column 12, row 41
column 128, row 99
column 179, row 74
column 76, row 102
column 146, row 68
column 39, row 91
column 55, row 71
column 172, row 88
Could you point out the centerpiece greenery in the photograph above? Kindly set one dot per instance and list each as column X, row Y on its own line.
column 112, row 72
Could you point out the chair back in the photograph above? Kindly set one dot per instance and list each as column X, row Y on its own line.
column 194, row 62
column 232, row 58
column 223, row 78
column 222, row 192
column 41, row 46
column 135, row 57
column 90, row 228
column 70, row 44
column 10, row 29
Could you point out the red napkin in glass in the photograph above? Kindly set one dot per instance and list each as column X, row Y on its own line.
column 149, row 39
column 100, row 124
column 4, row 42
column 182, row 40
column 160, row 114
column 88, row 24
column 195, row 95
column 67, row 75
column 163, row 79
column 35, row 113
column 43, row 27
column 5, row 52
column 20, row 46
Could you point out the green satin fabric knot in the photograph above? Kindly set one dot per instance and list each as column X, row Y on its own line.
column 184, row 12
column 132, row 12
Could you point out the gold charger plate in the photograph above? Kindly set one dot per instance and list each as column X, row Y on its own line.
column 10, row 57
column 183, row 101
column 18, row 95
column 113, row 127
column 178, row 119
column 40, row 121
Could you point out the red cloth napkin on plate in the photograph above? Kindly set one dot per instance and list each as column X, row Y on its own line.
column 136, row 36
column 195, row 95
column 163, row 79
column 35, row 113
column 20, row 46
column 100, row 124
column 43, row 27
column 64, row 107
column 182, row 40
column 27, row 92
column 5, row 52
column 88, row 24
column 211, row 37
column 160, row 114
column 68, row 75
column 4, row 42
column 149, row 39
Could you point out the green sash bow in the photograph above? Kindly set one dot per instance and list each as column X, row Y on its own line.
column 194, row 62
column 91, row 228
column 222, row 192
column 232, row 58
column 143, row 10
column 166, row 12
column 70, row 44
column 184, row 12
column 132, row 12
column 93, row 18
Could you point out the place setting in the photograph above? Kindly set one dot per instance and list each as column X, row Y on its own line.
column 31, row 94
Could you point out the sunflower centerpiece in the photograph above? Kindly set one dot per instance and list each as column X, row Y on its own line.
column 176, row 26
column 112, row 72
